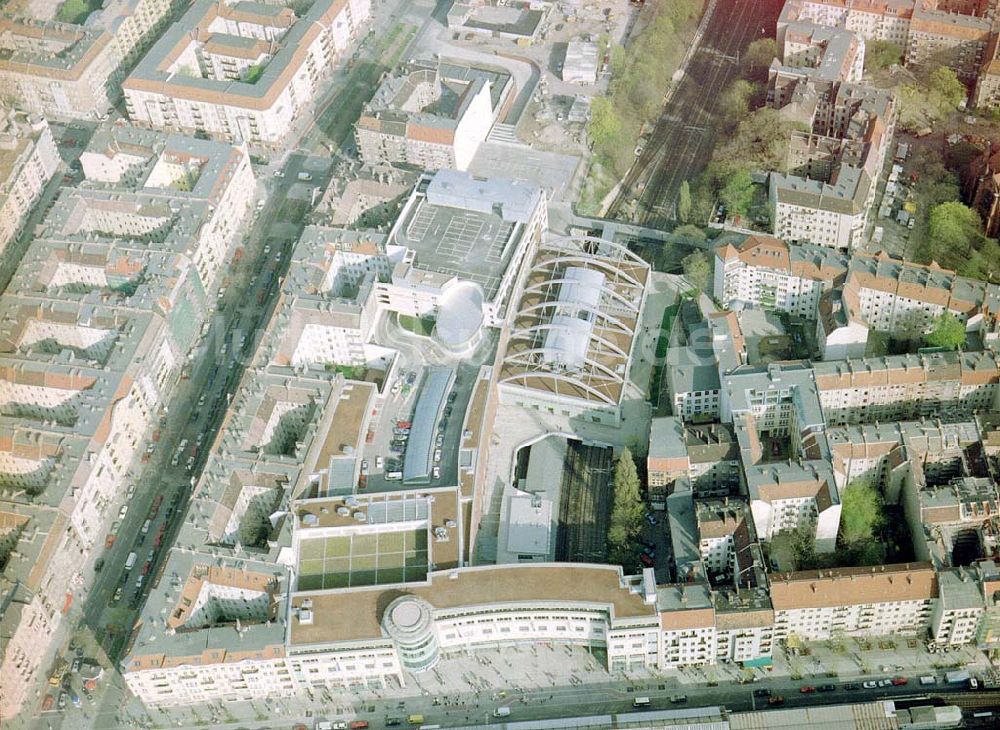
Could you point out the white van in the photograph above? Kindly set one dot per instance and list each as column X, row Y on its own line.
column 130, row 561
column 393, row 476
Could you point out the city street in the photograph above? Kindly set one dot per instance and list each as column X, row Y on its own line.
column 544, row 682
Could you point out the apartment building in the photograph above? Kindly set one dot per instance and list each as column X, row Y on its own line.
column 28, row 160
column 98, row 321
column 952, row 39
column 432, row 114
column 888, row 454
column 831, row 171
column 744, row 627
column 707, row 456
column 724, row 532
column 776, row 409
column 68, row 70
column 241, row 72
column 330, row 310
column 948, row 385
column 952, row 520
column 960, row 610
column 809, row 50
column 956, row 33
column 848, row 296
column 882, row 600
column 766, row 272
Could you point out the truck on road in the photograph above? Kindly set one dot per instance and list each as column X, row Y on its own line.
column 957, row 677
column 130, row 561
column 501, row 712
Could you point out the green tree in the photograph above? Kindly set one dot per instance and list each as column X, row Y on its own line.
column 737, row 193
column 803, row 548
column 605, row 127
column 626, row 514
column 760, row 53
column 954, row 231
column 860, row 512
column 948, row 332
column 945, row 89
column 645, row 87
column 735, row 101
column 983, row 264
column 254, row 72
column 697, row 269
column 618, row 59
column 684, row 203
column 760, row 142
column 881, row 55
column 702, row 202
column 690, row 232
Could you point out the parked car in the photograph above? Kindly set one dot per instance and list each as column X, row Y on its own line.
column 827, row 688
column 870, row 684
column 762, row 693
column 851, row 686
column 899, row 681
column 436, row 472
column 776, row 700
column 807, row 689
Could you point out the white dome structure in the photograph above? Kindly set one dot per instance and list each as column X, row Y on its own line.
column 459, row 326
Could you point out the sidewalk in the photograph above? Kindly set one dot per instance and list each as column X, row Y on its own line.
column 534, row 672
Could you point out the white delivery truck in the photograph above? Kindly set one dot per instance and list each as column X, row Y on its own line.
column 130, row 561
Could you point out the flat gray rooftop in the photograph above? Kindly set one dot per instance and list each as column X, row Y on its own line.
column 466, row 243
column 433, row 391
column 458, row 71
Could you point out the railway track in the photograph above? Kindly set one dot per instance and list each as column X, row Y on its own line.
column 681, row 143
column 972, row 700
column 585, row 506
